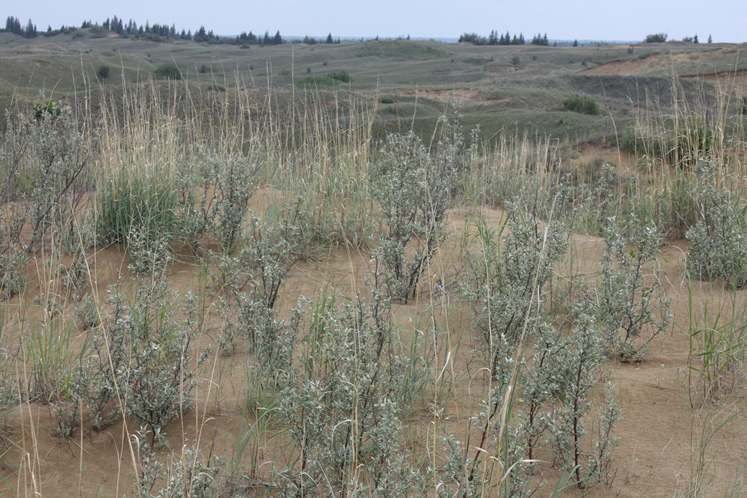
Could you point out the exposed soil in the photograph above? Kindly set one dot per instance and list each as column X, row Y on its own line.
column 665, row 419
column 626, row 67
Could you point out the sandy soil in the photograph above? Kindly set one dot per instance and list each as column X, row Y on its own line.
column 665, row 422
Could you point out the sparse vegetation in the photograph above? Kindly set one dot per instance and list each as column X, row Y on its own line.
column 213, row 287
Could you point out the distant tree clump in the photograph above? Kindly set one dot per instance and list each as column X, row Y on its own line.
column 656, row 38
column 169, row 71
column 473, row 38
column 583, row 105
column 103, row 71
column 540, row 40
column 13, row 25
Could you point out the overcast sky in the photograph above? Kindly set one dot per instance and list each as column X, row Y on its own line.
column 725, row 20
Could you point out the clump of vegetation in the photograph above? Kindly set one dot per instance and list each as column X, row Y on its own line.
column 141, row 359
column 131, row 206
column 343, row 406
column 414, row 188
column 251, row 279
column 631, row 296
column 681, row 143
column 342, row 76
column 546, row 390
column 44, row 180
column 656, row 38
column 168, row 71
column 582, row 105
column 718, row 240
column 103, row 71
column 325, row 81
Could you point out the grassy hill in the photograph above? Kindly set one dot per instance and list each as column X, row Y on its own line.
column 521, row 88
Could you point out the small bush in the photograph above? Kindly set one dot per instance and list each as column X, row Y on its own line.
column 582, row 105
column 387, row 100
column 343, row 76
column 103, row 72
column 141, row 356
column 631, row 295
column 718, row 241
column 168, row 71
column 414, row 188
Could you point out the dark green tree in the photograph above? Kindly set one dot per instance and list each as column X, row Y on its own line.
column 656, row 38
column 329, row 38
column 30, row 31
column 103, row 72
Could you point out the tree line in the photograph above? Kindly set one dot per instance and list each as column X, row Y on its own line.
column 494, row 38
column 157, row 32
column 13, row 25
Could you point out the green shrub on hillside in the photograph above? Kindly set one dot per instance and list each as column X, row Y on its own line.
column 583, row 105
column 718, row 241
column 168, row 71
column 103, row 71
column 343, row 76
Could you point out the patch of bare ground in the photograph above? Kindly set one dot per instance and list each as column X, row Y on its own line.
column 664, row 419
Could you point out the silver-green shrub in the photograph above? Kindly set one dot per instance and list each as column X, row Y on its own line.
column 141, row 357
column 506, row 281
column 414, row 187
column 13, row 258
column 251, row 278
column 343, row 409
column 718, row 240
column 221, row 202
column 45, row 173
column 631, row 297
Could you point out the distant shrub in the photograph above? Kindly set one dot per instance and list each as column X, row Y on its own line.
column 656, row 38
column 515, row 61
column 343, row 76
column 326, row 81
column 103, row 72
column 169, row 71
column 387, row 100
column 580, row 104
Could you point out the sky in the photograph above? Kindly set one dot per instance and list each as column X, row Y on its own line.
column 622, row 20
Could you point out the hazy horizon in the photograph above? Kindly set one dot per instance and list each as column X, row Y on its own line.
column 725, row 21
